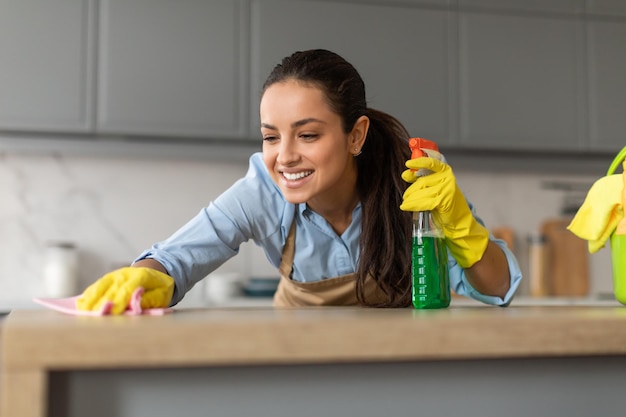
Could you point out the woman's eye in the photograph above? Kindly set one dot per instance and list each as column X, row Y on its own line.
column 309, row 136
column 269, row 138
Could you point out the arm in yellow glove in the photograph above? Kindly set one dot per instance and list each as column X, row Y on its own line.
column 467, row 240
column 438, row 192
column 118, row 287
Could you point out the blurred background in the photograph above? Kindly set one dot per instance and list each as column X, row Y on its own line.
column 121, row 119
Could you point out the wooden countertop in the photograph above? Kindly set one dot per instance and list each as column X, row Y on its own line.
column 44, row 339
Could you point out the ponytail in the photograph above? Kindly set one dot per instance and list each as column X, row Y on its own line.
column 386, row 230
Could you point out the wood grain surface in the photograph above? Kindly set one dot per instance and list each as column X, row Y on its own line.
column 50, row 340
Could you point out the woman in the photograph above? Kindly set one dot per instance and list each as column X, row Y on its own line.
column 323, row 200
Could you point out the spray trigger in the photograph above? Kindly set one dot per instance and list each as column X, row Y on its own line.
column 421, row 147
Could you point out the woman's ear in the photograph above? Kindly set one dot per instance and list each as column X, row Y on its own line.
column 359, row 134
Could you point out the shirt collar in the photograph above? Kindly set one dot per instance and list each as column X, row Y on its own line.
column 303, row 209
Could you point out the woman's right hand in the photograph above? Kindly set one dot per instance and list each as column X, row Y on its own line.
column 117, row 287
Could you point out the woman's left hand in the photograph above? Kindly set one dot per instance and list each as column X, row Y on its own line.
column 438, row 193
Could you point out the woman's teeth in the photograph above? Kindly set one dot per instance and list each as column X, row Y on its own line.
column 297, row 175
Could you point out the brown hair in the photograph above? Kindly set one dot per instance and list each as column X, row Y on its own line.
column 385, row 249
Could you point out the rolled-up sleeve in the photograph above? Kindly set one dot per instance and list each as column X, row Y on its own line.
column 460, row 284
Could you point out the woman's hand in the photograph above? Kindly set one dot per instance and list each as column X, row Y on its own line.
column 118, row 287
column 438, row 193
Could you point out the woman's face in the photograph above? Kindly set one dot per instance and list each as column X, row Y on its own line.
column 305, row 150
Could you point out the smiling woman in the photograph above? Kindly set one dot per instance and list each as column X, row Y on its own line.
column 311, row 158
column 327, row 202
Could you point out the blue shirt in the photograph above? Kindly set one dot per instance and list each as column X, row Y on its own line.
column 253, row 208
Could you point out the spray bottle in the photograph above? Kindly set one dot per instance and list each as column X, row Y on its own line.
column 429, row 271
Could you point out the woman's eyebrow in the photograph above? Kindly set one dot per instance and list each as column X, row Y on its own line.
column 294, row 124
column 306, row 121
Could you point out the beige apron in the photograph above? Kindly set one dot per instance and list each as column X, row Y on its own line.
column 338, row 291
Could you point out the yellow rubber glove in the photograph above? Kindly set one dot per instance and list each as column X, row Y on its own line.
column 600, row 213
column 438, row 193
column 118, row 287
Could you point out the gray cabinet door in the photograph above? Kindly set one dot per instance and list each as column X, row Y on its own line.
column 400, row 51
column 45, row 68
column 607, row 7
column 172, row 67
column 558, row 6
column 607, row 84
column 521, row 83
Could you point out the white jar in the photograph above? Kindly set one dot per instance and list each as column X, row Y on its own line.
column 222, row 287
column 60, row 270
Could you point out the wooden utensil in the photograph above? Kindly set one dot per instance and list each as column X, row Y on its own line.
column 567, row 260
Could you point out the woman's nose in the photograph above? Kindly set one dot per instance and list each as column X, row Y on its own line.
column 287, row 153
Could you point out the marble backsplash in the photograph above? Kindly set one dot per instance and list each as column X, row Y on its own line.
column 112, row 208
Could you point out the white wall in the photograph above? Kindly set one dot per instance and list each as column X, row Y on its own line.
column 113, row 208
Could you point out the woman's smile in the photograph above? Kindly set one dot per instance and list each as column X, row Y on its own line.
column 293, row 176
column 296, row 177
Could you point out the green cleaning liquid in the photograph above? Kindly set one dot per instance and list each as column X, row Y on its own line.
column 430, row 276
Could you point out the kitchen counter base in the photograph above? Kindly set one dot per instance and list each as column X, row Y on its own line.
column 36, row 344
column 567, row 387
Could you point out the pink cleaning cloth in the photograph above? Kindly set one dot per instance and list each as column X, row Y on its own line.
column 68, row 306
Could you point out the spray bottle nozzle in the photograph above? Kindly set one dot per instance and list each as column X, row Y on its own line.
column 420, row 147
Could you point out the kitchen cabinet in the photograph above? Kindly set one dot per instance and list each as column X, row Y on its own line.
column 542, row 75
column 607, row 83
column 607, row 7
column 46, row 75
column 482, row 74
column 172, row 68
column 471, row 74
column 400, row 51
column 521, row 81
column 555, row 6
